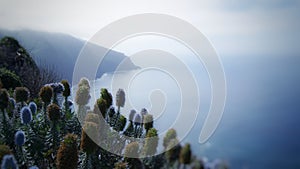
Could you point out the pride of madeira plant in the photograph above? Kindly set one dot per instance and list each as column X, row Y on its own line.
column 45, row 94
column 48, row 134
column 21, row 95
column 67, row 154
column 82, row 98
column 54, row 115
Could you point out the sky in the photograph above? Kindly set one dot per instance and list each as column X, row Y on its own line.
column 234, row 27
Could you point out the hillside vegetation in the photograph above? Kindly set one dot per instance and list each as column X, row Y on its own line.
column 49, row 130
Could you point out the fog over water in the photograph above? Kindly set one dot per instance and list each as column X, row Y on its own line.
column 259, row 128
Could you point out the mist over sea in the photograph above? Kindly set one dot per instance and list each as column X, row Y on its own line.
column 260, row 125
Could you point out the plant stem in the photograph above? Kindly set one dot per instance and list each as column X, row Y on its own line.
column 66, row 105
column 54, row 136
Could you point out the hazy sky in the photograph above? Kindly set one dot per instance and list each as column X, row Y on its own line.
column 235, row 27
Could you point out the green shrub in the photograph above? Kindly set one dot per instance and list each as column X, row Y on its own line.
column 21, row 94
column 10, row 42
column 9, row 79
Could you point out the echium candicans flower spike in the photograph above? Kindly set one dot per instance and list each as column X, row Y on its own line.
column 32, row 106
column 21, row 94
column 120, row 98
column 67, row 90
column 131, row 115
column 151, row 142
column 26, row 115
column 144, row 112
column 20, row 138
column 92, row 117
column 106, row 96
column 185, row 154
column 67, row 154
column 171, row 134
column 46, row 93
column 82, row 95
column 57, row 87
column 148, row 121
column 54, row 112
column 122, row 122
column 9, row 162
column 132, row 150
column 84, row 82
column 89, row 136
column 173, row 150
column 137, row 119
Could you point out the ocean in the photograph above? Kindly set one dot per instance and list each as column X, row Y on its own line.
column 260, row 124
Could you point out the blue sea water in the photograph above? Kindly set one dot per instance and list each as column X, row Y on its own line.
column 260, row 125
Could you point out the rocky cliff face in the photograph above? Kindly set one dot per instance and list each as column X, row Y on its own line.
column 60, row 51
column 15, row 58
